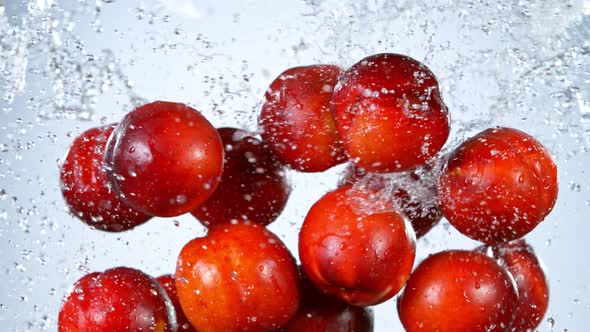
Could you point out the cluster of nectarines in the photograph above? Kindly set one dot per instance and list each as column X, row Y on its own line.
column 384, row 116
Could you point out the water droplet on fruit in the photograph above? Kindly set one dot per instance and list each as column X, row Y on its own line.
column 180, row 199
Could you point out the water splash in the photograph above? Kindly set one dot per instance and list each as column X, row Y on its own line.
column 44, row 50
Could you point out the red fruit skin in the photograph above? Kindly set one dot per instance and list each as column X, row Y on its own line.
column 253, row 185
column 353, row 249
column 533, row 290
column 85, row 189
column 165, row 159
column 421, row 210
column 168, row 283
column 458, row 291
column 389, row 113
column 296, row 122
column 320, row 313
column 498, row 186
column 117, row 300
column 240, row 277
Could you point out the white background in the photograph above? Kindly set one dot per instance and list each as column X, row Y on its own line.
column 520, row 64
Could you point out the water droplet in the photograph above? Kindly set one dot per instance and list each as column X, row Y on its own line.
column 574, row 186
column 181, row 199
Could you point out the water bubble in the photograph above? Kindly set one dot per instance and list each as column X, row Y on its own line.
column 20, row 267
column 574, row 186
